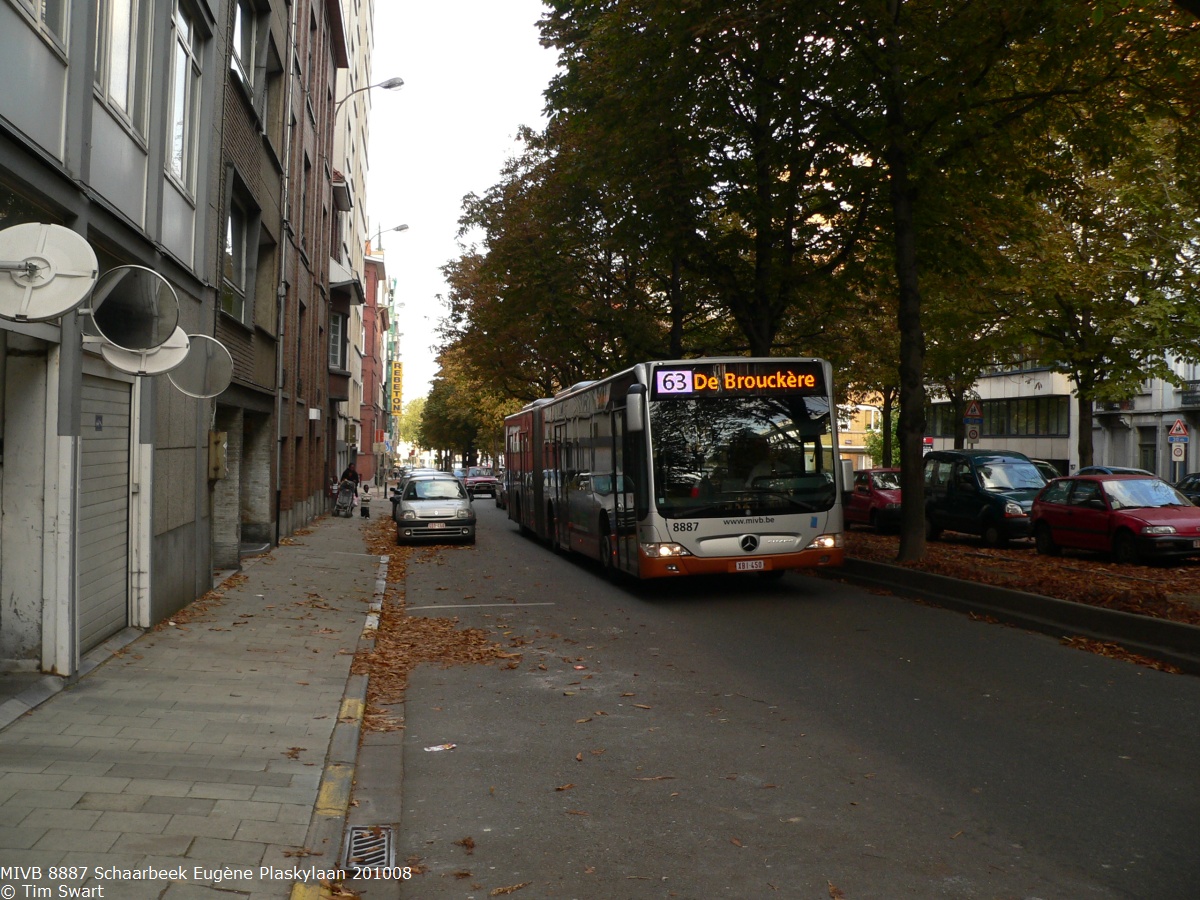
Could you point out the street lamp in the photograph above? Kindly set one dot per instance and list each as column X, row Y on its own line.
column 381, row 232
column 390, row 85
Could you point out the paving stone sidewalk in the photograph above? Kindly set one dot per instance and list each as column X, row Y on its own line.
column 215, row 746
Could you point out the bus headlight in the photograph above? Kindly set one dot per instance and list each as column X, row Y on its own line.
column 664, row 550
column 825, row 542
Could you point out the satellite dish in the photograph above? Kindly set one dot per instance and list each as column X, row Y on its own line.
column 155, row 361
column 207, row 370
column 134, row 308
column 45, row 271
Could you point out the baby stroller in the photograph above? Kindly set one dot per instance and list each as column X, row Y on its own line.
column 344, row 505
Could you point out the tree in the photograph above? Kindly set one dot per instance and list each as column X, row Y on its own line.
column 930, row 91
column 409, row 426
column 1114, row 272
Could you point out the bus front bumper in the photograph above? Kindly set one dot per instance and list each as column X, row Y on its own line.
column 672, row 566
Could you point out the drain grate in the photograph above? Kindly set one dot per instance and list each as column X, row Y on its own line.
column 369, row 847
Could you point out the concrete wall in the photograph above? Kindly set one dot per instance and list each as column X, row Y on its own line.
column 22, row 481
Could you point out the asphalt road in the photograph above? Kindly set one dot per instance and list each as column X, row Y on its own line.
column 800, row 738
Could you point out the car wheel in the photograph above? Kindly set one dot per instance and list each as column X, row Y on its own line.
column 1125, row 549
column 1043, row 539
column 932, row 532
column 993, row 536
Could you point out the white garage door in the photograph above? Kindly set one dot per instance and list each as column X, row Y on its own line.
column 103, row 511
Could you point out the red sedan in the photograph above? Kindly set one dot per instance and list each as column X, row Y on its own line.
column 875, row 499
column 1133, row 517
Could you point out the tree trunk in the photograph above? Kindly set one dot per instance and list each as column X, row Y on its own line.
column 1086, row 450
column 889, row 452
column 675, row 300
column 912, row 336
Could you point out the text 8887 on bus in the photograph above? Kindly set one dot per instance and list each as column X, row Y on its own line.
column 684, row 468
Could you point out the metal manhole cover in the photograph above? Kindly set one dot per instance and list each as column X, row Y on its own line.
column 369, row 847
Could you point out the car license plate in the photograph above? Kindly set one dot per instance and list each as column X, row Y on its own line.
column 1196, row 544
column 437, row 524
column 749, row 565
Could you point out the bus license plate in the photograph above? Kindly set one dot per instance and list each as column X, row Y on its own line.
column 749, row 565
column 437, row 524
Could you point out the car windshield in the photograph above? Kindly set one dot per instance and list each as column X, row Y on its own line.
column 1143, row 493
column 479, row 473
column 1010, row 476
column 716, row 456
column 602, row 484
column 886, row 481
column 434, row 489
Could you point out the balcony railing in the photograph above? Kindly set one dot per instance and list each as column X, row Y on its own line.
column 1189, row 395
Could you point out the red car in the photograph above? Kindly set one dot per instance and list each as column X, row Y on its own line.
column 875, row 499
column 481, row 480
column 1133, row 517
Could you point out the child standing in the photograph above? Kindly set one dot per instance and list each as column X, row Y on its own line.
column 364, row 502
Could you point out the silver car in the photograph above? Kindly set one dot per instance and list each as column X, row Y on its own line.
column 434, row 508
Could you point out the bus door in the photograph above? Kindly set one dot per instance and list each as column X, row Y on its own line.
column 620, row 516
column 556, row 528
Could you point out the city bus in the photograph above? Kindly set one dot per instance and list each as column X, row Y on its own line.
column 685, row 467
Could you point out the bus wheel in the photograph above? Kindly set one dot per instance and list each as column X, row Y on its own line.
column 552, row 527
column 607, row 561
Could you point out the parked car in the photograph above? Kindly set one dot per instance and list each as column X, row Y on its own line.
column 874, row 499
column 983, row 492
column 1133, row 517
column 415, row 474
column 434, row 507
column 1111, row 470
column 1048, row 469
column 481, row 480
column 1189, row 486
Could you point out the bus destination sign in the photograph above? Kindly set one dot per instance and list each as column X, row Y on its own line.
column 737, row 380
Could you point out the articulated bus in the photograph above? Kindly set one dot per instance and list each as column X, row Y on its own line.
column 684, row 468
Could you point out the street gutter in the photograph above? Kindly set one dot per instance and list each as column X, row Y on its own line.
column 1161, row 639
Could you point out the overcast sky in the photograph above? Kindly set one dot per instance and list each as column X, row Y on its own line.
column 473, row 73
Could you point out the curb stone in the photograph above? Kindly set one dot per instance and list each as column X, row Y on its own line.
column 327, row 827
column 1172, row 642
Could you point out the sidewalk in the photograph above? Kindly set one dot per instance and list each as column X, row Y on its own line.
column 221, row 746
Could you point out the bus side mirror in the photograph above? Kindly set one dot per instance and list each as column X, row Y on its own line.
column 635, row 408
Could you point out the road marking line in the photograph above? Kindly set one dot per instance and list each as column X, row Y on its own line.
column 473, row 605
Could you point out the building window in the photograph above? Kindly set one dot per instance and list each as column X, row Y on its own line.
column 185, row 99
column 1012, row 417
column 233, row 273
column 337, row 341
column 245, row 36
column 48, row 16
column 123, row 58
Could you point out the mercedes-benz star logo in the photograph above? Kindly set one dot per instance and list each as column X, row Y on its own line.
column 749, row 543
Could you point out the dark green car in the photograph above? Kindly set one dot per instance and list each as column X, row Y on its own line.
column 984, row 492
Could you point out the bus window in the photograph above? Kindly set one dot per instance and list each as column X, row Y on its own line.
column 714, row 456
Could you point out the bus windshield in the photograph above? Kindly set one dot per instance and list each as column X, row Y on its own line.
column 720, row 456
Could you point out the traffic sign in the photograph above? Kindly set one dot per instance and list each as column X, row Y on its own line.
column 972, row 434
column 1179, row 429
column 1178, row 452
column 1176, row 439
column 974, row 411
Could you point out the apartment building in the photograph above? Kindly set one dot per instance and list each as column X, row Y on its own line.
column 193, row 140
